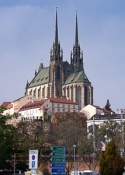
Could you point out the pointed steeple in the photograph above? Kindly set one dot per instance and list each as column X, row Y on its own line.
column 56, row 29
column 76, row 33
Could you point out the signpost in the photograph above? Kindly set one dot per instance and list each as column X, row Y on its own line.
column 58, row 160
column 33, row 159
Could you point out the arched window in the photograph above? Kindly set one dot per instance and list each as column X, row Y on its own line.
column 72, row 93
column 86, row 96
column 58, row 72
column 79, row 97
column 68, row 91
column 39, row 93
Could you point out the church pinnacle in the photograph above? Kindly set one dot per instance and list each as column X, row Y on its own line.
column 76, row 33
column 56, row 29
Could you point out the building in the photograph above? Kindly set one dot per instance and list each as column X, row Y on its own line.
column 15, row 106
column 42, row 108
column 91, row 110
column 60, row 78
column 101, row 118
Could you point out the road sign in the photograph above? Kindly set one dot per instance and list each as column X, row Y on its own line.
column 58, row 173
column 58, row 170
column 63, row 165
column 58, row 148
column 58, row 159
column 58, row 154
column 33, row 159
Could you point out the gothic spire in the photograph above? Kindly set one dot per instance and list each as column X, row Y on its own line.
column 76, row 33
column 56, row 29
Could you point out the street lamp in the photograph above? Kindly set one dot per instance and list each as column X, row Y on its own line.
column 122, row 133
column 14, row 161
column 93, row 140
column 74, row 146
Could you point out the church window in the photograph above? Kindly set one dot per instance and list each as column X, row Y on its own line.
column 34, row 93
column 39, row 93
column 30, row 92
column 79, row 97
column 67, row 91
column 43, row 92
column 86, row 95
column 58, row 72
column 72, row 93
column 64, row 91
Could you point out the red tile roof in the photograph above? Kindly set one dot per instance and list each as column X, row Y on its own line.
column 5, row 104
column 62, row 100
column 32, row 105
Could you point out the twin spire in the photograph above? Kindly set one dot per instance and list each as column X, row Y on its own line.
column 56, row 30
column 76, row 34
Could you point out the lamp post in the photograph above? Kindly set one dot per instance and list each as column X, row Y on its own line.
column 14, row 161
column 93, row 133
column 122, row 133
column 93, row 140
column 74, row 146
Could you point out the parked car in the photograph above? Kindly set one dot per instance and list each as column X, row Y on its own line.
column 90, row 172
column 76, row 173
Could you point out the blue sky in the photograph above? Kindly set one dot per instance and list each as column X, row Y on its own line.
column 27, row 29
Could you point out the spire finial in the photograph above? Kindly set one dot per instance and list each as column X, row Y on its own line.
column 56, row 30
column 76, row 34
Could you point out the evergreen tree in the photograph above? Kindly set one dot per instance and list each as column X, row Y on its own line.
column 111, row 163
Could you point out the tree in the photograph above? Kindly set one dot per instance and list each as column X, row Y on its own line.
column 72, row 128
column 111, row 162
column 6, row 143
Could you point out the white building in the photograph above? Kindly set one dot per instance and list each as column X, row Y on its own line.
column 100, row 119
column 91, row 110
column 38, row 109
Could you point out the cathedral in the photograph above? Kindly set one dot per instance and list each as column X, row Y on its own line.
column 62, row 79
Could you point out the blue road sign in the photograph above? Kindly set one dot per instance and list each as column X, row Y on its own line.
column 59, row 173
column 58, row 165
column 76, row 168
column 58, row 170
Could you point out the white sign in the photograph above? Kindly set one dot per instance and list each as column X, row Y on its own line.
column 33, row 159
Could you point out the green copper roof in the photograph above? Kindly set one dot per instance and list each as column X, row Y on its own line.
column 41, row 78
column 77, row 77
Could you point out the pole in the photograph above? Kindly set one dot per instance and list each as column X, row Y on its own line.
column 14, row 163
column 93, row 140
column 74, row 146
column 122, row 135
column 93, row 133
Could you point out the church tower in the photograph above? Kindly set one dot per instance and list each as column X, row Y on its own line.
column 56, row 67
column 76, row 58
